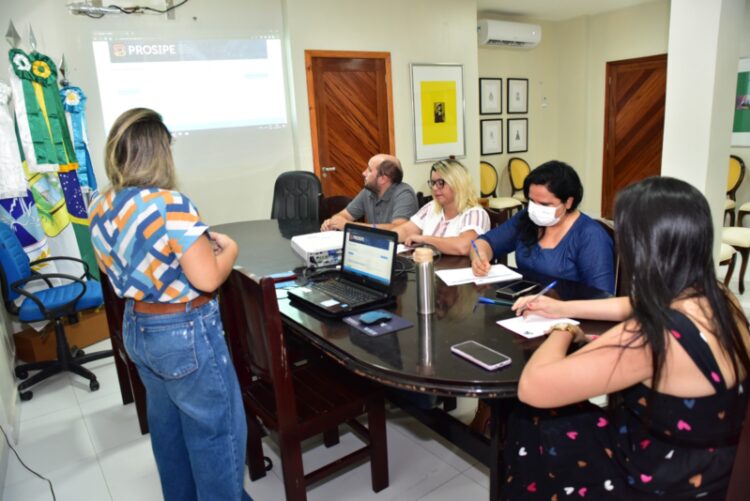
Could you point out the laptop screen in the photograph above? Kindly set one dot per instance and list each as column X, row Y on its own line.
column 369, row 254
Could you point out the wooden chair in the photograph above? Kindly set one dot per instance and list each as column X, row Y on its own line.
column 518, row 169
column 734, row 180
column 739, row 481
column 739, row 238
column 727, row 257
column 333, row 205
column 131, row 386
column 488, row 180
column 295, row 401
column 621, row 285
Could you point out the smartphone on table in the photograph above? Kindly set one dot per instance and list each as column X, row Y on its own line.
column 514, row 290
column 481, row 355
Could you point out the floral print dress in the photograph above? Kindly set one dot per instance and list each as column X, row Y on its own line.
column 648, row 445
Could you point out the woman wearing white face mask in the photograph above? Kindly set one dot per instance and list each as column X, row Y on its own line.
column 552, row 236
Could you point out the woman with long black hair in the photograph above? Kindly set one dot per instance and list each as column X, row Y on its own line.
column 675, row 367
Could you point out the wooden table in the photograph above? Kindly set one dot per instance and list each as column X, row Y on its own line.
column 417, row 358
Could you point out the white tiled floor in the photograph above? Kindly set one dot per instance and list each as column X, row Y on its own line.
column 88, row 444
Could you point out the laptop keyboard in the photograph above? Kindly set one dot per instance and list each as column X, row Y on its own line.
column 346, row 293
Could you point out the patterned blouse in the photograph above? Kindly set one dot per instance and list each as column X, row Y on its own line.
column 139, row 235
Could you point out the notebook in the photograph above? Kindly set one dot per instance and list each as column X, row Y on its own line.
column 364, row 281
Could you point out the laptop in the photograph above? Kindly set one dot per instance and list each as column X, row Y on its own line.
column 364, row 280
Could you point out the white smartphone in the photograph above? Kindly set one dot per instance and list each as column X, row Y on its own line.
column 481, row 355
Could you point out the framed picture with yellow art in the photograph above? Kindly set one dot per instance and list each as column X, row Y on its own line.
column 437, row 92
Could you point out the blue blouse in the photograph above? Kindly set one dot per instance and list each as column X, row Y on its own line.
column 585, row 254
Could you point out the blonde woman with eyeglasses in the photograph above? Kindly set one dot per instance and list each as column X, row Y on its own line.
column 453, row 218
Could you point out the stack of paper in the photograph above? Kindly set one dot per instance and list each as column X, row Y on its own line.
column 533, row 325
column 458, row 276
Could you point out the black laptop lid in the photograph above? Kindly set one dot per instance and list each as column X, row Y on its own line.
column 369, row 256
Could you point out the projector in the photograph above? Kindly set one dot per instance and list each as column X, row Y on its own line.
column 319, row 249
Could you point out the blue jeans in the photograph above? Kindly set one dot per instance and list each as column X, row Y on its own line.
column 195, row 412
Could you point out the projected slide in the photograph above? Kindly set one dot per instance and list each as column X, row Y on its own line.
column 194, row 84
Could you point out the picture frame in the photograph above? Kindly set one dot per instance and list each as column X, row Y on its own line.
column 518, row 95
column 490, row 96
column 518, row 135
column 491, row 137
column 438, row 107
column 741, row 122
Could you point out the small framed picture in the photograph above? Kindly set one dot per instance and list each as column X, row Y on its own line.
column 490, row 96
column 518, row 95
column 518, row 135
column 491, row 139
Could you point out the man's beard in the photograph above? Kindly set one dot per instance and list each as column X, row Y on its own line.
column 373, row 187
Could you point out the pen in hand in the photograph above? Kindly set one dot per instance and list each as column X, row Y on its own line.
column 476, row 249
column 536, row 296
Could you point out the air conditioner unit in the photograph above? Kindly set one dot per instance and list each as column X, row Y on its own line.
column 509, row 34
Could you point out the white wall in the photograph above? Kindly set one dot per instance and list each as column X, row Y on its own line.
column 568, row 68
column 624, row 34
column 416, row 31
column 539, row 66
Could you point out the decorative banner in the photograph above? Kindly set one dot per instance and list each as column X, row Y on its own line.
column 47, row 147
column 74, row 104
column 741, row 127
column 12, row 181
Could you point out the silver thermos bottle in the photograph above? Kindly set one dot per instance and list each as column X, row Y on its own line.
column 425, row 280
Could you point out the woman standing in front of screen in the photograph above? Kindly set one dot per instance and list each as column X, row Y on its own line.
column 453, row 218
column 153, row 246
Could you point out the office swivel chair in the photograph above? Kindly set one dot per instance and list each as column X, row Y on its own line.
column 297, row 195
column 52, row 303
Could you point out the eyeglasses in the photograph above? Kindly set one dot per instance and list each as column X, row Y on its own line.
column 437, row 183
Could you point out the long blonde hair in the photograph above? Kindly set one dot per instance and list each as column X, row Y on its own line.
column 138, row 151
column 456, row 176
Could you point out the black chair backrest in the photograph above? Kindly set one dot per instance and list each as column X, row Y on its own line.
column 297, row 195
column 14, row 265
column 423, row 199
column 334, row 205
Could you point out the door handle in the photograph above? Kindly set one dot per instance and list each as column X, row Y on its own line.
column 326, row 170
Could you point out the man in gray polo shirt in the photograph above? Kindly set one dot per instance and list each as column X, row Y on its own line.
column 385, row 201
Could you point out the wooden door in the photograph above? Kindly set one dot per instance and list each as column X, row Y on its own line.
column 633, row 124
column 351, row 115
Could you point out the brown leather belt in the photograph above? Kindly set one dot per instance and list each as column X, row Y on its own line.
column 166, row 308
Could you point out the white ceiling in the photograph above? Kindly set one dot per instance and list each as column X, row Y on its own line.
column 552, row 10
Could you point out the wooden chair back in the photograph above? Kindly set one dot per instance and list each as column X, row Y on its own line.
column 621, row 287
column 487, row 179
column 736, row 175
column 518, row 169
column 131, row 386
column 333, row 205
column 249, row 306
column 739, row 482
